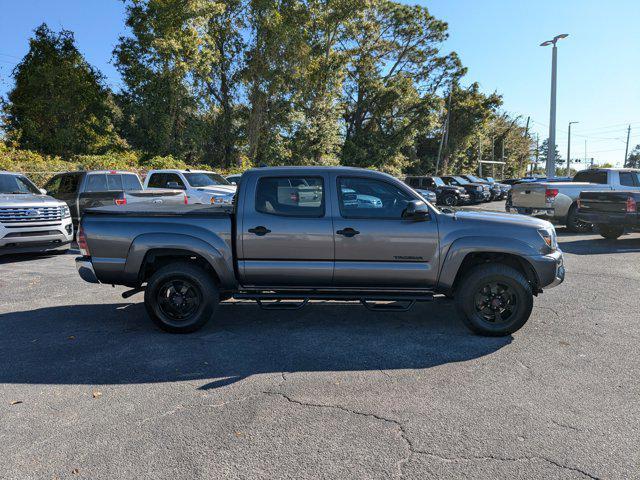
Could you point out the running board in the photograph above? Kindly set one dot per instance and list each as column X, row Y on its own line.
column 276, row 301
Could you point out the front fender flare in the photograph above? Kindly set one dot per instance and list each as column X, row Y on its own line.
column 460, row 248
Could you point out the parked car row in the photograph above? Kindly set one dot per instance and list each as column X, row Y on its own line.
column 454, row 190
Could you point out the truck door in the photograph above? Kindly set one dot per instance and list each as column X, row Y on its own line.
column 374, row 245
column 287, row 232
column 67, row 191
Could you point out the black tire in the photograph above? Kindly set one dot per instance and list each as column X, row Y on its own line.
column 181, row 297
column 512, row 291
column 450, row 200
column 610, row 232
column 575, row 225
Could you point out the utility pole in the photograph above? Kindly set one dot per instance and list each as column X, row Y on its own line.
column 569, row 151
column 445, row 130
column 551, row 154
column 626, row 149
column 537, row 151
column 526, row 136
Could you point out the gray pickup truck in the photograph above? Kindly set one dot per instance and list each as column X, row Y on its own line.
column 90, row 189
column 297, row 234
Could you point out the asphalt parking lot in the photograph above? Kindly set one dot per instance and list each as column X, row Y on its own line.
column 91, row 389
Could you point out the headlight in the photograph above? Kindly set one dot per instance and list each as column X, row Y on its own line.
column 550, row 238
column 66, row 213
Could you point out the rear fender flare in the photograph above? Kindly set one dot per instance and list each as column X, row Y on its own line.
column 215, row 251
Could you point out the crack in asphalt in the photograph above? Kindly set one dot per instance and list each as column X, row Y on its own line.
column 412, row 450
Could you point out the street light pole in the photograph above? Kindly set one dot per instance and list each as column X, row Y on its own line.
column 551, row 151
column 569, row 151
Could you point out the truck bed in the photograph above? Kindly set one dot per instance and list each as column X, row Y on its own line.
column 152, row 210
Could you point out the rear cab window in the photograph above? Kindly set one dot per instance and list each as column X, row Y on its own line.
column 112, row 182
column 291, row 196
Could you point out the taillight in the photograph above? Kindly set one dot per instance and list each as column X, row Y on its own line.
column 120, row 200
column 550, row 194
column 82, row 243
column 632, row 206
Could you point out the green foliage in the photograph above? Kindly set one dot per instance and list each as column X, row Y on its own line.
column 633, row 160
column 59, row 105
column 235, row 83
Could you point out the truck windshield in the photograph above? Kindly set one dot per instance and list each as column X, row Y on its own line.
column 17, row 184
column 438, row 181
column 205, row 179
column 475, row 179
column 460, row 180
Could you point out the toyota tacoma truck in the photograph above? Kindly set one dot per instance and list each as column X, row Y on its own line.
column 30, row 220
column 612, row 212
column 558, row 201
column 297, row 234
column 89, row 189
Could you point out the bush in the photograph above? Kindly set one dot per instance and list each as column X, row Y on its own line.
column 40, row 168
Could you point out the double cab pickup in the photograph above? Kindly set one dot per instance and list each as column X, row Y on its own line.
column 296, row 234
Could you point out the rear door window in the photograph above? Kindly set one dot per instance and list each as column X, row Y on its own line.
column 96, row 182
column 157, row 180
column 591, row 177
column 628, row 179
column 292, row 196
column 69, row 183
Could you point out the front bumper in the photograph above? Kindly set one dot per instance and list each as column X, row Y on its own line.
column 549, row 269
column 38, row 238
column 85, row 269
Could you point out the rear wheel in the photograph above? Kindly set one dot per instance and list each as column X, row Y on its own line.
column 610, row 232
column 575, row 225
column 494, row 300
column 180, row 297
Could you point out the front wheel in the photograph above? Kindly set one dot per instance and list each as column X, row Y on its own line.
column 450, row 200
column 181, row 297
column 494, row 300
column 610, row 232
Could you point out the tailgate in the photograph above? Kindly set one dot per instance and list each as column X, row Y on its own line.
column 156, row 196
column 605, row 202
column 529, row 195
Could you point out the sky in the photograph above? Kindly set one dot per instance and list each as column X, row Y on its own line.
column 497, row 40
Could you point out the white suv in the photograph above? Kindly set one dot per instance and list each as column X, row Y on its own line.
column 200, row 186
column 30, row 220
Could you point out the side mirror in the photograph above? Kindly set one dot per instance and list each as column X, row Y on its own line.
column 416, row 210
column 43, row 191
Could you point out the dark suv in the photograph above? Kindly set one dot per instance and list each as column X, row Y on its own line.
column 478, row 192
column 448, row 195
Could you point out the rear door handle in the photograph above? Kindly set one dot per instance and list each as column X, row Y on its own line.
column 260, row 231
column 348, row 232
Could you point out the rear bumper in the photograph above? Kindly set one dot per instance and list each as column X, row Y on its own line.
column 612, row 218
column 549, row 269
column 85, row 269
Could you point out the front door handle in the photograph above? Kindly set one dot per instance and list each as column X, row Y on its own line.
column 348, row 232
column 260, row 231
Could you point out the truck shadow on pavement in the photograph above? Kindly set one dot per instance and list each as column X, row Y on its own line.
column 118, row 344
column 599, row 246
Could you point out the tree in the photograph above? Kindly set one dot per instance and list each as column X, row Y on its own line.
column 59, row 104
column 633, row 160
column 394, row 74
column 544, row 152
column 158, row 64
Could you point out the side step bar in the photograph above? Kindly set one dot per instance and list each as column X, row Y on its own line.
column 276, row 301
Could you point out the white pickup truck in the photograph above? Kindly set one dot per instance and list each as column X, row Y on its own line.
column 558, row 201
column 200, row 186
